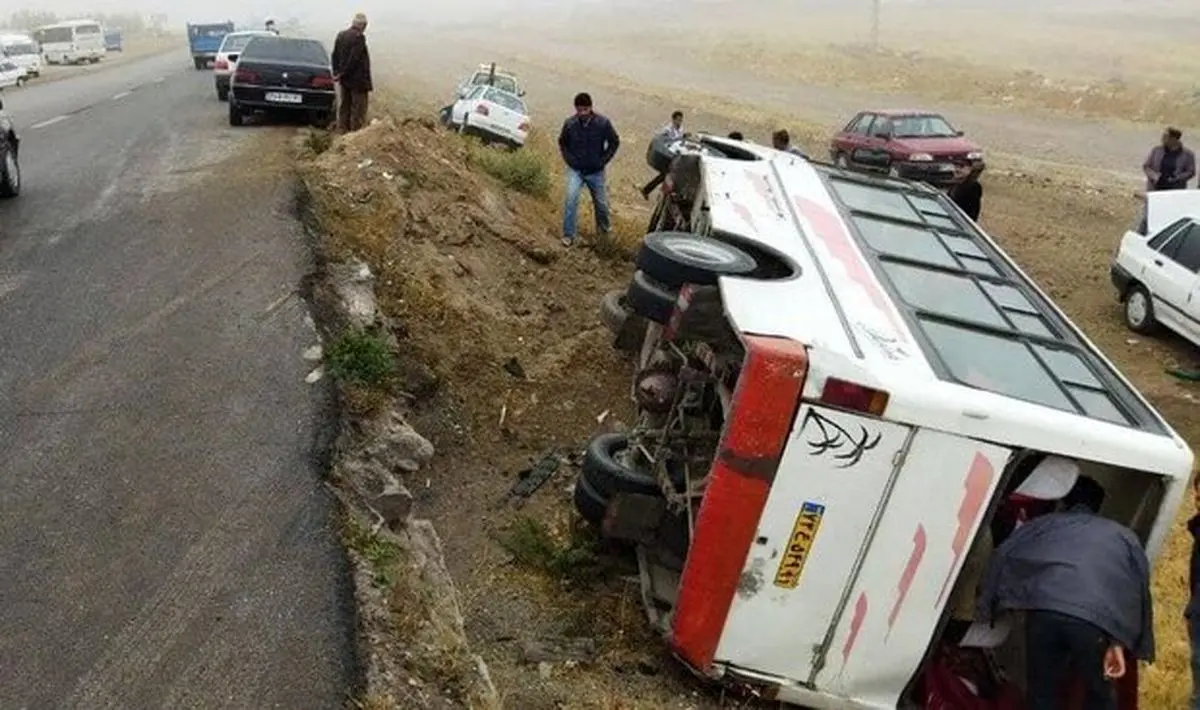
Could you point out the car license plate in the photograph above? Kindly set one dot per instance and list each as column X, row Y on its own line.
column 282, row 98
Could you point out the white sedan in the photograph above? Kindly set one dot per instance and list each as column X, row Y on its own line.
column 11, row 74
column 1157, row 274
column 492, row 114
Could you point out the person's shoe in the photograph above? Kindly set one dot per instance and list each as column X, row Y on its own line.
column 568, row 241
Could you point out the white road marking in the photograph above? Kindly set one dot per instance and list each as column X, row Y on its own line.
column 48, row 122
column 123, row 94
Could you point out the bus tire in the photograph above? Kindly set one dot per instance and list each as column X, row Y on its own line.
column 613, row 313
column 678, row 258
column 591, row 506
column 650, row 299
column 606, row 473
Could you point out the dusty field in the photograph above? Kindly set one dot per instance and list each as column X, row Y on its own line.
column 1105, row 65
column 469, row 285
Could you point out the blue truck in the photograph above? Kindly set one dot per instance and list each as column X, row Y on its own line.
column 205, row 40
column 112, row 40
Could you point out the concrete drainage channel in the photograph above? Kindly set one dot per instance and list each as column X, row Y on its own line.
column 412, row 647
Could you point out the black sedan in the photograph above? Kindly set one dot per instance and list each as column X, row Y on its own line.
column 10, row 169
column 282, row 75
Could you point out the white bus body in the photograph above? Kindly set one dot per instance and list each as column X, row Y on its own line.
column 71, row 42
column 883, row 395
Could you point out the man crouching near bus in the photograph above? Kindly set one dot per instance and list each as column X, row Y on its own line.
column 1083, row 582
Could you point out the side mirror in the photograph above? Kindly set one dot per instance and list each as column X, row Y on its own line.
column 960, row 134
column 882, row 136
column 521, row 92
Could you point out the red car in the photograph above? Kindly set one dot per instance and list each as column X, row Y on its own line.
column 917, row 145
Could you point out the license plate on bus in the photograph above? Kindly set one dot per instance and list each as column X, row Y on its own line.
column 282, row 98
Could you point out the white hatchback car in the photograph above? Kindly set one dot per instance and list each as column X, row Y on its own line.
column 1157, row 274
column 493, row 115
column 227, row 56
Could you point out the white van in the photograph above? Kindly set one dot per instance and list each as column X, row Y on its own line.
column 840, row 382
column 23, row 51
column 73, row 42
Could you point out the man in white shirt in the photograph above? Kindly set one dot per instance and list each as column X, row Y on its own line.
column 668, row 134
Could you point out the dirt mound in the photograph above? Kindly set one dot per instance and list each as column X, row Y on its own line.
column 503, row 363
column 469, row 272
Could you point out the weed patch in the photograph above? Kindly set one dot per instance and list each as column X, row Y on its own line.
column 318, row 141
column 522, row 170
column 572, row 557
column 363, row 358
column 382, row 555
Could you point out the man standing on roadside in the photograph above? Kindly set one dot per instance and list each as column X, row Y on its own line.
column 1168, row 167
column 1083, row 582
column 351, row 63
column 666, row 135
column 968, row 194
column 782, row 140
column 588, row 143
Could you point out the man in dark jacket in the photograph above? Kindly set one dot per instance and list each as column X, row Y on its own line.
column 968, row 194
column 1169, row 166
column 1192, row 611
column 1083, row 582
column 588, row 143
column 351, row 64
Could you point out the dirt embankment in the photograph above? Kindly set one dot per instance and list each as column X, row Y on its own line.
column 491, row 347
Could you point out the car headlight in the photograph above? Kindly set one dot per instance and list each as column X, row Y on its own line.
column 921, row 157
column 975, row 155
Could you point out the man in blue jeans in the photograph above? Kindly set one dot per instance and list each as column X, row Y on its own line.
column 588, row 143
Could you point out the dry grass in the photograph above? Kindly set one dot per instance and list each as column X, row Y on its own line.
column 1104, row 67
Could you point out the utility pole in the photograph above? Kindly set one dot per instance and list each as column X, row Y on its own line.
column 875, row 11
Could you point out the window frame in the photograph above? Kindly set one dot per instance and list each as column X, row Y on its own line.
column 925, row 203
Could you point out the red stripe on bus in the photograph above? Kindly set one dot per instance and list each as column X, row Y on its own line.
column 764, row 406
column 919, row 541
column 856, row 622
column 976, row 487
column 830, row 230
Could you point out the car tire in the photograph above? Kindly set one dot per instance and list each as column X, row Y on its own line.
column 841, row 161
column 678, row 258
column 613, row 312
column 650, row 299
column 222, row 93
column 1139, row 310
column 894, row 172
column 591, row 506
column 607, row 475
column 10, row 173
column 236, row 117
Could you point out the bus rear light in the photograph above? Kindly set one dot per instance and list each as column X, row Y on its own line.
column 854, row 397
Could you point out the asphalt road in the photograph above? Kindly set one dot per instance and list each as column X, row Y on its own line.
column 165, row 541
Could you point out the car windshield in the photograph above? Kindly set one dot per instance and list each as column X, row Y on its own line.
column 501, row 81
column 927, row 126
column 287, row 49
column 210, row 31
column 507, row 100
column 234, row 43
